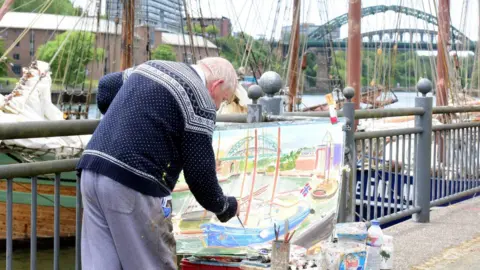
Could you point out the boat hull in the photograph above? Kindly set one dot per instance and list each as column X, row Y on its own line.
column 233, row 236
column 45, row 209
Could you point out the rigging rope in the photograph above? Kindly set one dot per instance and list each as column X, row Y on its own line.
column 68, row 35
column 183, row 36
column 202, row 26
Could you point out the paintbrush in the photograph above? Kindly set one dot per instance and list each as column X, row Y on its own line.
column 287, row 232
column 290, row 237
column 241, row 223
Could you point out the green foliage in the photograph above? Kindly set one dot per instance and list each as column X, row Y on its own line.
column 62, row 7
column 311, row 70
column 72, row 60
column 475, row 76
column 270, row 168
column 164, row 52
column 229, row 48
column 3, row 65
column 232, row 48
column 288, row 161
column 196, row 28
column 469, row 73
column 387, row 68
column 212, row 30
column 249, row 166
column 265, row 162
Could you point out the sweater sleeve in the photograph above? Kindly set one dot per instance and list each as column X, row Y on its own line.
column 108, row 87
column 200, row 173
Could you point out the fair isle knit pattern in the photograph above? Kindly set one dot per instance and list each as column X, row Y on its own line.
column 196, row 106
column 109, row 86
column 158, row 123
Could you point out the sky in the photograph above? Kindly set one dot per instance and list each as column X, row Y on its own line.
column 256, row 17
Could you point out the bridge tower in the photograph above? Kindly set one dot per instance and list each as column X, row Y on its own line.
column 323, row 58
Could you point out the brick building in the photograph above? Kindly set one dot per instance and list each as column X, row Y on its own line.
column 181, row 44
column 223, row 24
column 47, row 26
column 165, row 14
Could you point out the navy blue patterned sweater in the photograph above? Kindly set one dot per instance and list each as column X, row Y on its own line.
column 158, row 123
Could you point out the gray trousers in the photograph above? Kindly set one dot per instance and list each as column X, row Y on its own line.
column 122, row 228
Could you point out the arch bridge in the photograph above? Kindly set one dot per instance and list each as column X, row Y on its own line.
column 404, row 35
column 319, row 37
column 339, row 21
column 319, row 43
column 266, row 147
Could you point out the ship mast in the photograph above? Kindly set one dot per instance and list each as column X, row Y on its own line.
column 128, row 27
column 354, row 61
column 254, row 174
column 5, row 7
column 293, row 63
column 277, row 169
column 442, row 53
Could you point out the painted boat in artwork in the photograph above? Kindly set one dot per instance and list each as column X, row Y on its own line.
column 235, row 235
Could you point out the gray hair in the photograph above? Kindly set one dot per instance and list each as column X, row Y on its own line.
column 220, row 69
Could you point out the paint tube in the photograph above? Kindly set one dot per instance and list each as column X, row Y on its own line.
column 331, row 108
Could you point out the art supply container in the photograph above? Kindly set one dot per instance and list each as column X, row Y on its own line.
column 280, row 255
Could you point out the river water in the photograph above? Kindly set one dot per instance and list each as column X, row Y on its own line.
column 21, row 258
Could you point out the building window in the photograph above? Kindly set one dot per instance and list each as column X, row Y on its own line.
column 16, row 56
column 18, row 44
column 17, row 69
column 32, row 43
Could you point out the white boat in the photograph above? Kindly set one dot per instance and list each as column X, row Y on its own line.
column 31, row 101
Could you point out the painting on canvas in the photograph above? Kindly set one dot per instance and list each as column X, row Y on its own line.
column 278, row 171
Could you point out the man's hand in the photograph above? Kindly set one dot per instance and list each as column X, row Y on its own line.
column 229, row 212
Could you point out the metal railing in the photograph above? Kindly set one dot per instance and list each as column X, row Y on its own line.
column 373, row 157
column 406, row 171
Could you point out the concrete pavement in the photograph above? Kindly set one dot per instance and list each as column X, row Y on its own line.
column 450, row 241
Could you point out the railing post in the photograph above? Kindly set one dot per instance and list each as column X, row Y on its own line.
column 254, row 113
column 271, row 83
column 346, row 212
column 423, row 154
column 78, row 225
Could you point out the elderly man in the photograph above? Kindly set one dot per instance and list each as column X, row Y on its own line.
column 157, row 123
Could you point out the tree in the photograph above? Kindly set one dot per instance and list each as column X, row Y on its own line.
column 3, row 65
column 62, row 7
column 73, row 58
column 164, row 52
column 311, row 70
column 232, row 48
column 196, row 28
column 212, row 30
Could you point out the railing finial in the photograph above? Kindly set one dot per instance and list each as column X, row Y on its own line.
column 271, row 83
column 424, row 86
column 349, row 92
column 254, row 93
